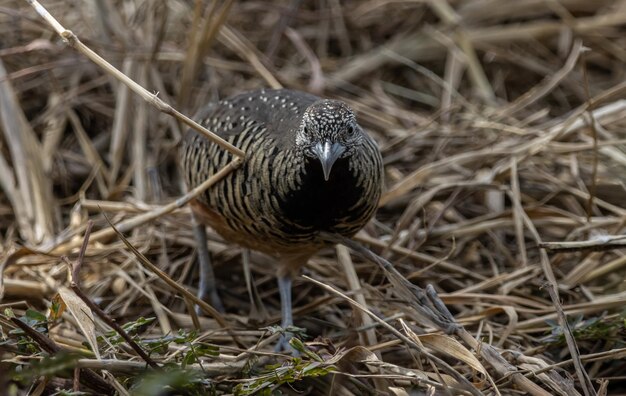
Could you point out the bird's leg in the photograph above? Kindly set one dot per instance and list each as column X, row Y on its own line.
column 207, row 287
column 284, row 288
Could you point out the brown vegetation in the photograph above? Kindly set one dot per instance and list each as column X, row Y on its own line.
column 502, row 127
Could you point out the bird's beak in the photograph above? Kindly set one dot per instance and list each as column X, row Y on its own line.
column 328, row 153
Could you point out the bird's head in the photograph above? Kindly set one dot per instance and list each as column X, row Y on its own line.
column 329, row 131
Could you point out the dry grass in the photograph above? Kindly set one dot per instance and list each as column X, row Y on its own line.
column 502, row 127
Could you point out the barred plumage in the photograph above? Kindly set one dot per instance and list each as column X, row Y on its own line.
column 309, row 167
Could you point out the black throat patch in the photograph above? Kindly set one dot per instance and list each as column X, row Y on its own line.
column 320, row 205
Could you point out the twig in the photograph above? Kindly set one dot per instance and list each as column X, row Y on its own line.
column 201, row 303
column 203, row 33
column 583, row 377
column 88, row 377
column 81, row 255
column 591, row 357
column 476, row 72
column 72, row 40
column 599, row 243
column 76, row 380
column 279, row 28
column 420, row 46
column 316, row 83
column 426, row 309
column 448, row 369
column 550, row 82
column 594, row 135
column 431, row 309
column 129, row 224
column 75, row 286
column 30, row 190
column 552, row 287
column 243, row 47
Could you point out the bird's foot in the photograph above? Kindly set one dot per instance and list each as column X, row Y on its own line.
column 283, row 345
column 290, row 340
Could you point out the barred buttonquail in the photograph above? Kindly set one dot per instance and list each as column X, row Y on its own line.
column 309, row 167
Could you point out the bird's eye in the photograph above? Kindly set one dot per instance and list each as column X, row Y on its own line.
column 350, row 130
